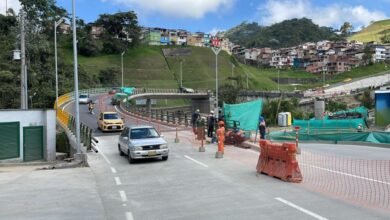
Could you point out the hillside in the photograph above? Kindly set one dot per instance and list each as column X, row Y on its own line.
column 146, row 66
column 373, row 32
column 284, row 34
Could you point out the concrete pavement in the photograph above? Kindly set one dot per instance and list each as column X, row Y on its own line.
column 27, row 193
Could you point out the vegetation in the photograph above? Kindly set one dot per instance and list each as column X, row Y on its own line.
column 284, row 34
column 377, row 31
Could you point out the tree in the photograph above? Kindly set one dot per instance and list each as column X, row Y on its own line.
column 366, row 100
column 346, row 29
column 227, row 94
column 122, row 25
column 386, row 38
column 367, row 57
column 109, row 76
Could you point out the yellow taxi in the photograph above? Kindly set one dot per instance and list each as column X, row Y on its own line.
column 110, row 121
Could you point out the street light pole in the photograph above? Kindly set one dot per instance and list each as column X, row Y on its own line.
column 247, row 84
column 216, row 52
column 123, row 53
column 76, row 80
column 232, row 73
column 181, row 73
column 23, row 70
column 278, row 79
column 56, row 24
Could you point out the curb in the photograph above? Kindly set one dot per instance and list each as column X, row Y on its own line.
column 20, row 164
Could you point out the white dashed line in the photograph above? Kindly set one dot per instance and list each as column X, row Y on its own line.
column 301, row 209
column 118, row 181
column 123, row 196
column 193, row 160
column 346, row 174
column 113, row 170
column 104, row 156
column 129, row 216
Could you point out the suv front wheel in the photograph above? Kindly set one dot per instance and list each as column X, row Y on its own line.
column 131, row 160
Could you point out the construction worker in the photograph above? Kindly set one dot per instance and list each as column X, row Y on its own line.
column 262, row 127
column 221, row 137
column 210, row 124
column 195, row 117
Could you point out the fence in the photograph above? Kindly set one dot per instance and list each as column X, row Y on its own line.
column 170, row 117
column 361, row 181
column 68, row 122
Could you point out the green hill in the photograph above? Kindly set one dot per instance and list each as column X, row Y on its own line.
column 373, row 32
column 283, row 34
column 146, row 66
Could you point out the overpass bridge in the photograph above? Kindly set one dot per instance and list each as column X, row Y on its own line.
column 200, row 99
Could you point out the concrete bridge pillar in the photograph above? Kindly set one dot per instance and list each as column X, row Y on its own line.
column 149, row 107
column 204, row 105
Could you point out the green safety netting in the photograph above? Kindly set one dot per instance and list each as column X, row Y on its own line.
column 330, row 125
column 128, row 90
column 246, row 113
column 362, row 110
column 372, row 137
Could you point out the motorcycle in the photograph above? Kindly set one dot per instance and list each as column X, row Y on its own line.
column 91, row 106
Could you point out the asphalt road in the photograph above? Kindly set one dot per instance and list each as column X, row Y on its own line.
column 194, row 185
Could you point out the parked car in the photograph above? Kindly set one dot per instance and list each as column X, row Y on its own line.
column 110, row 121
column 142, row 142
column 186, row 90
column 83, row 98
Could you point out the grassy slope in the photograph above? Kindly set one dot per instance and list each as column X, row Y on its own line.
column 371, row 33
column 147, row 67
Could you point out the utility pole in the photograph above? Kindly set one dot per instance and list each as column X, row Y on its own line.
column 6, row 7
column 23, row 69
column 76, row 80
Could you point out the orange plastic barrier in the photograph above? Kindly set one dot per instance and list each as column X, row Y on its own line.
column 279, row 160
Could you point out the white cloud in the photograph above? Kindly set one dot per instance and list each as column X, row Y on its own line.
column 179, row 8
column 333, row 15
column 215, row 31
column 14, row 4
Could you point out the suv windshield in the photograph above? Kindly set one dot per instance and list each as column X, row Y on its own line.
column 141, row 133
column 83, row 96
column 111, row 116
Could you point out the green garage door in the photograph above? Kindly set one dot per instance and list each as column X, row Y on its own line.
column 33, row 143
column 9, row 140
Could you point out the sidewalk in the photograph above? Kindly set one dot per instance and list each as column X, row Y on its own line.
column 27, row 193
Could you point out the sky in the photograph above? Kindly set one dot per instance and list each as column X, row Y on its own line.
column 216, row 15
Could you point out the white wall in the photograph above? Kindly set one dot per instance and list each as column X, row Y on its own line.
column 45, row 118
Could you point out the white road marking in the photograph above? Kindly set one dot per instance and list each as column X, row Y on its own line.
column 346, row 174
column 104, row 156
column 123, row 196
column 66, row 105
column 118, row 181
column 192, row 159
column 129, row 216
column 113, row 170
column 301, row 209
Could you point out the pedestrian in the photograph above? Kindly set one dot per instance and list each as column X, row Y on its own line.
column 210, row 124
column 262, row 127
column 194, row 119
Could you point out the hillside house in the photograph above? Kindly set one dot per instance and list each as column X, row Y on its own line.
column 206, row 40
column 387, row 56
column 226, row 45
column 195, row 40
column 96, row 31
column 379, row 53
column 182, row 38
column 173, row 38
column 152, row 36
column 64, row 28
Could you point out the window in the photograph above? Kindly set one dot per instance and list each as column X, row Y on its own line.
column 111, row 116
column 142, row 133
